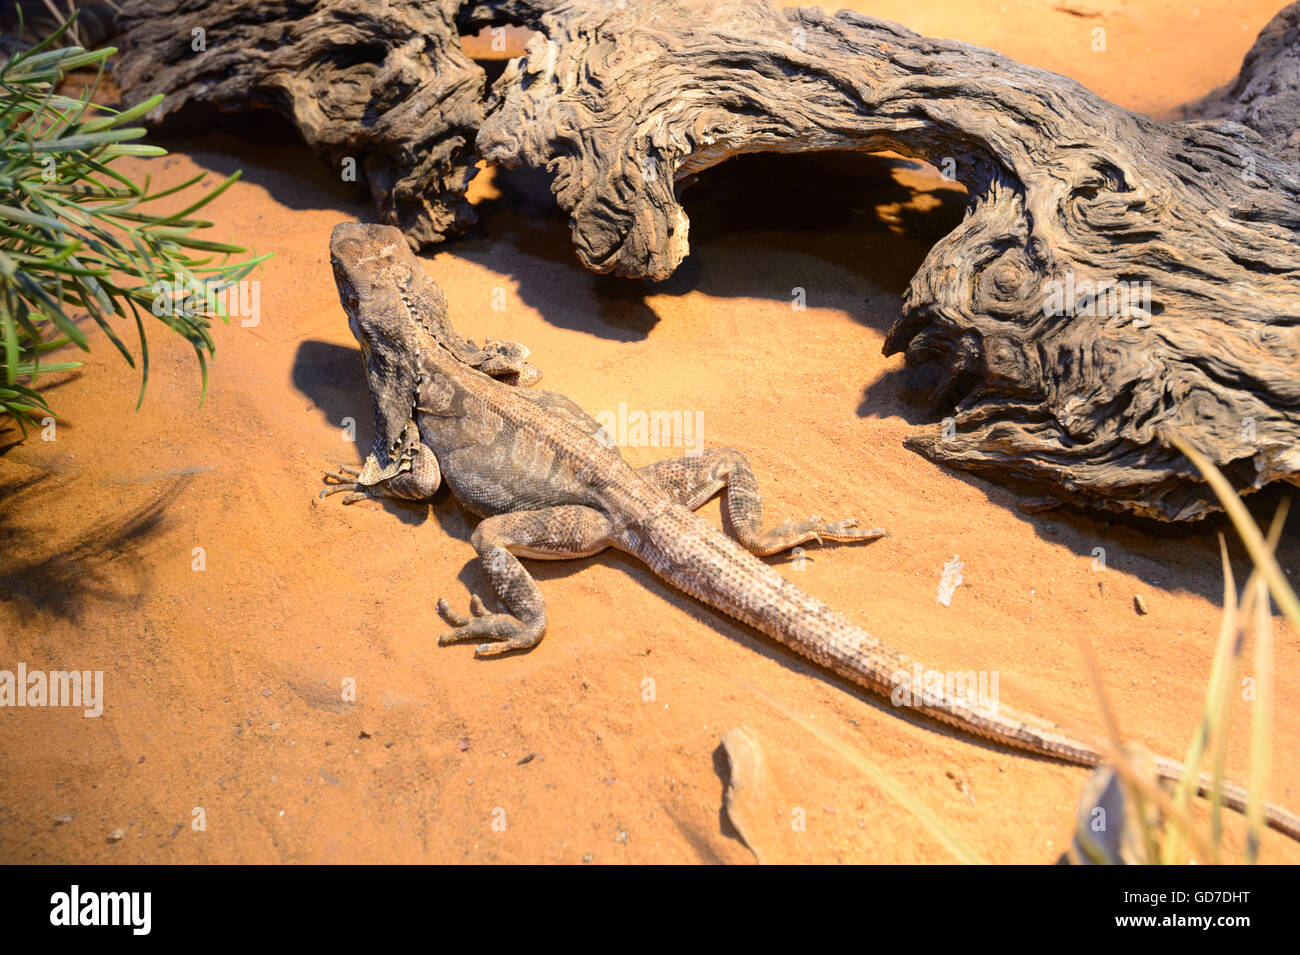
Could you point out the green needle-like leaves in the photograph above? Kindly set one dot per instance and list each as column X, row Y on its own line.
column 78, row 239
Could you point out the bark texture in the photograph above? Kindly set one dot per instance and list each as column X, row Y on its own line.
column 1115, row 280
column 1266, row 93
column 1052, row 383
column 383, row 84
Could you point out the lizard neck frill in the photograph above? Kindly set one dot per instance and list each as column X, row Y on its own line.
column 694, row 556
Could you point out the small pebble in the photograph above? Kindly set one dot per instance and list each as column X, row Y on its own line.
column 117, row 835
column 1139, row 604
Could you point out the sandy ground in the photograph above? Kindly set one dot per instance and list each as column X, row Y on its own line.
column 224, row 687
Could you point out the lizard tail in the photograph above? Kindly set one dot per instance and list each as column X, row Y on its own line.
column 694, row 556
column 1233, row 795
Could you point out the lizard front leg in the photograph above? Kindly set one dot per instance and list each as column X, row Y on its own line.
column 554, row 533
column 691, row 481
column 416, row 476
column 507, row 362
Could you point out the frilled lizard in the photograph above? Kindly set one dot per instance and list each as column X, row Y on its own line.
column 550, row 485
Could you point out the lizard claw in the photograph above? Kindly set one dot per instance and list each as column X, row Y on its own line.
column 346, row 474
column 792, row 533
column 345, row 480
column 848, row 530
column 506, row 631
column 451, row 616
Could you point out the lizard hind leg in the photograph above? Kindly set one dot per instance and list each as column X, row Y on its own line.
column 691, row 481
column 554, row 533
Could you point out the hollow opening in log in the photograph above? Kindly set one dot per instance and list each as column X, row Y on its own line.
column 492, row 47
column 822, row 192
column 257, row 127
column 842, row 227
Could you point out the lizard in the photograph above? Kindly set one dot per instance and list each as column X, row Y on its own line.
column 548, row 484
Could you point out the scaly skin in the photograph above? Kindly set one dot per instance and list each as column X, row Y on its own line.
column 534, row 466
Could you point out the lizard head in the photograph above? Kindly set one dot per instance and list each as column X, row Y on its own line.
column 391, row 304
column 395, row 309
column 398, row 316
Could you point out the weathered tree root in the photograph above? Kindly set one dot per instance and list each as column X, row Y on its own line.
column 381, row 90
column 1266, row 93
column 1049, row 386
column 1070, row 196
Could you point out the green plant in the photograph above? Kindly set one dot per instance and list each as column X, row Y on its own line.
column 78, row 235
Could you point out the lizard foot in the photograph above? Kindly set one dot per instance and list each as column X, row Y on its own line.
column 344, row 480
column 792, row 533
column 507, row 631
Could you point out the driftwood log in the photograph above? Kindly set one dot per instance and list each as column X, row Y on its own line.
column 381, row 90
column 1266, row 93
column 1115, row 280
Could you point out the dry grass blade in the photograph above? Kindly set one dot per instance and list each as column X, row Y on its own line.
column 881, row 779
column 1261, row 740
column 1263, row 559
column 1129, row 776
column 1175, row 844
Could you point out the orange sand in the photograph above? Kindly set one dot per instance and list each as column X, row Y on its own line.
column 224, row 685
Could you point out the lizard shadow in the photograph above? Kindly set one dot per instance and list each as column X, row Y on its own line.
column 333, row 377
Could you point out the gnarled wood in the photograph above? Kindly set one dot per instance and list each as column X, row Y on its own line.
column 1064, row 188
column 1266, row 93
column 385, row 85
column 1069, row 194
